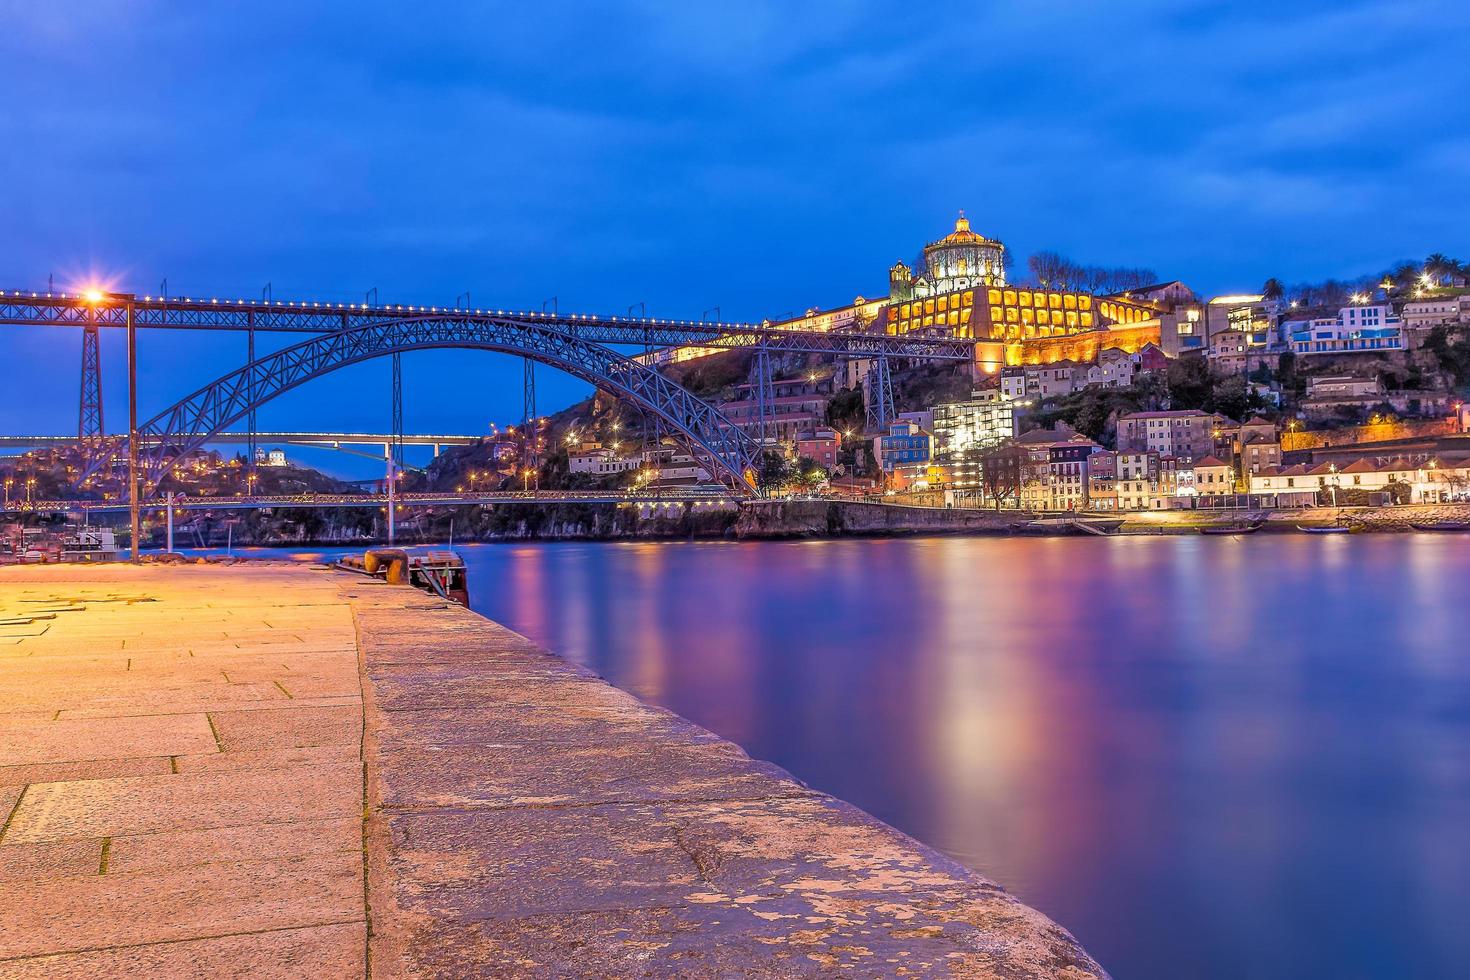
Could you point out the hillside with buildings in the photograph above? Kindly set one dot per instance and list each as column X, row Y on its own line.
column 1150, row 397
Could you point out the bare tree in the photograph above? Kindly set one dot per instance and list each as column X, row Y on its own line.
column 1053, row 271
column 1049, row 269
column 1000, row 472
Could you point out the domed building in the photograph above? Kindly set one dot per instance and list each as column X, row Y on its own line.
column 963, row 259
column 963, row 293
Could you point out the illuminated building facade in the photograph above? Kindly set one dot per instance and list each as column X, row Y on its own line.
column 963, row 293
column 965, row 431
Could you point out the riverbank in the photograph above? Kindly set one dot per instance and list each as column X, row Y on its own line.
column 790, row 518
column 274, row 770
column 773, row 519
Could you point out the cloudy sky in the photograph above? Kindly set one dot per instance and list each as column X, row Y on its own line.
column 756, row 156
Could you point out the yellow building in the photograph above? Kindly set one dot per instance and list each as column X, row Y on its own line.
column 963, row 293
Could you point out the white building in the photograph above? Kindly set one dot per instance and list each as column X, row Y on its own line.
column 1438, row 479
column 1427, row 313
column 1013, row 383
column 599, row 461
column 1115, row 368
column 986, row 419
column 1356, row 329
column 670, row 466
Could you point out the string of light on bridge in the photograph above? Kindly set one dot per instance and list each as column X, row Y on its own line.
column 98, row 297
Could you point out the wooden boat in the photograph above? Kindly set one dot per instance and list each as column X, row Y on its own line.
column 441, row 573
column 1070, row 525
column 1332, row 529
column 1235, row 529
column 1442, row 526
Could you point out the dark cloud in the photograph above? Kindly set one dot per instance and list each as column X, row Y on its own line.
column 762, row 156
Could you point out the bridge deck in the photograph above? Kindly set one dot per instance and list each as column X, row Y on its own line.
column 186, row 754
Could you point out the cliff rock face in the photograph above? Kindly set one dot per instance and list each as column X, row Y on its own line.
column 824, row 518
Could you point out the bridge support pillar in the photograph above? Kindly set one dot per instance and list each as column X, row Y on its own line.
column 392, row 496
column 765, row 393
column 528, row 423
column 250, row 394
column 878, row 395
column 89, row 418
column 397, row 410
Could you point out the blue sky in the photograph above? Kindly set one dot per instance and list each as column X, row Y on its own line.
column 760, row 157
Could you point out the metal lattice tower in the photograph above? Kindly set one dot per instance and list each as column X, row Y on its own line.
column 250, row 419
column 89, row 418
column 528, row 412
column 397, row 411
column 878, row 392
column 764, row 393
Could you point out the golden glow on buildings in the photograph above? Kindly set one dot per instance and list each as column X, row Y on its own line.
column 1013, row 314
column 1004, row 313
column 1021, row 322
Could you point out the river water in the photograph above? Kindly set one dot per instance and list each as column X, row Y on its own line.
column 1206, row 757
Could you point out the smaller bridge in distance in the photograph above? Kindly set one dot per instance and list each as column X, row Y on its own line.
column 329, row 440
column 699, row 496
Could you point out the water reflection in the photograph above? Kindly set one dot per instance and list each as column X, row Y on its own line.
column 1207, row 757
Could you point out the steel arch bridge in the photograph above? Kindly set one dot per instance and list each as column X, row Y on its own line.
column 722, row 446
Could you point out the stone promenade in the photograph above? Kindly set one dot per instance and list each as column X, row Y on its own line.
column 269, row 770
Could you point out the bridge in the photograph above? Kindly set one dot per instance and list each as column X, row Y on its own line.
column 93, row 310
column 325, row 440
column 343, row 334
column 694, row 495
column 343, row 442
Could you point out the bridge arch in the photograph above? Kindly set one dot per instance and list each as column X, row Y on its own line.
column 722, row 446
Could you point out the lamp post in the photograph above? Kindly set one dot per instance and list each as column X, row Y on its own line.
column 135, row 522
column 392, row 500
column 30, row 489
column 9, row 482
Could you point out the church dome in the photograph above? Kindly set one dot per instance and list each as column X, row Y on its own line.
column 964, row 258
column 962, row 235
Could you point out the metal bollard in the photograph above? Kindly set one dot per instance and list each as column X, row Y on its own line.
column 395, row 560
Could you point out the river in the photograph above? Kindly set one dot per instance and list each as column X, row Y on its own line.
column 1206, row 757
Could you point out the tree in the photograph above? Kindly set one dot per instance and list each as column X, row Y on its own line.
column 845, row 411
column 1440, row 265
column 1273, row 289
column 1000, row 472
column 1233, row 397
column 775, row 470
column 1189, row 382
column 1049, row 269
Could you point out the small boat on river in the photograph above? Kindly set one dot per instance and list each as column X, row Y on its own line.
column 440, row 573
column 1443, row 526
column 1329, row 529
column 1234, row 529
column 1069, row 525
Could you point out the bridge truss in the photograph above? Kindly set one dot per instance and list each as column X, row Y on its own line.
column 721, row 445
column 693, row 495
column 111, row 310
column 351, row 332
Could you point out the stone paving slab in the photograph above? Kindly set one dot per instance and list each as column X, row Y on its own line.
column 66, row 740
column 169, row 805
column 334, row 952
